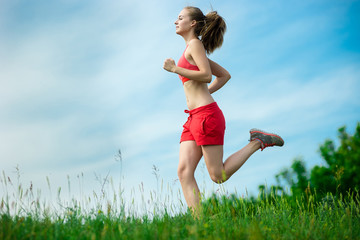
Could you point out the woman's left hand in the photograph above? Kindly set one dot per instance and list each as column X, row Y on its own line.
column 169, row 65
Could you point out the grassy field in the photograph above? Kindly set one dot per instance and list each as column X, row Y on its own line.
column 25, row 214
column 222, row 218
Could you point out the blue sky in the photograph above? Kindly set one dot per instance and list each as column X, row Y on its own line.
column 82, row 79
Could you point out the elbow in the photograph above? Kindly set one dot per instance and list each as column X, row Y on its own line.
column 208, row 78
column 228, row 76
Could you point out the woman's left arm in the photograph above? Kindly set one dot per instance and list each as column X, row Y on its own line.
column 221, row 74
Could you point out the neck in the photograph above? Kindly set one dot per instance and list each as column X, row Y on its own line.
column 188, row 37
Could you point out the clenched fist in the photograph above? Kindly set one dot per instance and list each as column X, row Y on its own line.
column 169, row 65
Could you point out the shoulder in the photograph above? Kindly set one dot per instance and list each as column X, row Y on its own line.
column 196, row 44
column 194, row 41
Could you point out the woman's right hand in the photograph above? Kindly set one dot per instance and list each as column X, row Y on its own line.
column 169, row 65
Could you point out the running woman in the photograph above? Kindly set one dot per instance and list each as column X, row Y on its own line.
column 203, row 133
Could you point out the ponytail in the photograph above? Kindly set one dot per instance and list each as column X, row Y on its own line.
column 212, row 34
column 210, row 28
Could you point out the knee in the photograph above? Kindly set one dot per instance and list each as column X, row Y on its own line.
column 218, row 177
column 184, row 173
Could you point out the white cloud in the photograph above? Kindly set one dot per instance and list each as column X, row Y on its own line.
column 75, row 90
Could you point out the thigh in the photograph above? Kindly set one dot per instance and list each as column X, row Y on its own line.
column 213, row 155
column 190, row 155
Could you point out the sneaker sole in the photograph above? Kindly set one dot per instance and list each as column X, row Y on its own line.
column 266, row 133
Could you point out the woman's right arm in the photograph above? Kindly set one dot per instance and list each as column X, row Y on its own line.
column 221, row 74
column 198, row 54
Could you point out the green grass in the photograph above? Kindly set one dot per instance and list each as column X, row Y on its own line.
column 221, row 218
column 23, row 215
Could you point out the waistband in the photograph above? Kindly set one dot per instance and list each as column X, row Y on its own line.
column 207, row 107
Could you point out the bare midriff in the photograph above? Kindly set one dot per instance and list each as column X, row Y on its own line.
column 197, row 94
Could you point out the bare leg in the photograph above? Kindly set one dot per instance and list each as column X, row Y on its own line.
column 219, row 171
column 190, row 155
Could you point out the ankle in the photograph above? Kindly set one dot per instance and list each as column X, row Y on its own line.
column 256, row 143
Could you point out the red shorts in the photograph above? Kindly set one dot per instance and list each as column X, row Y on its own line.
column 205, row 125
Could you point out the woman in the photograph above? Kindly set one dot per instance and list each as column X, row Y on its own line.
column 203, row 133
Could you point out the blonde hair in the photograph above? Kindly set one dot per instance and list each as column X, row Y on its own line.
column 210, row 28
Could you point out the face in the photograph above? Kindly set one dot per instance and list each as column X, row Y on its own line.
column 184, row 23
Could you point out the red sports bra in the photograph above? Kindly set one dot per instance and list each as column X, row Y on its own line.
column 185, row 64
